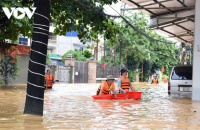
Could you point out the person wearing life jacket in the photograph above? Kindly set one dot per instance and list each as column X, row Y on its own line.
column 155, row 80
column 106, row 86
column 49, row 80
column 124, row 83
column 165, row 80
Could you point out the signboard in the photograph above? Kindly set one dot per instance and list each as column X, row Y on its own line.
column 59, row 63
column 54, row 56
column 53, row 62
column 21, row 50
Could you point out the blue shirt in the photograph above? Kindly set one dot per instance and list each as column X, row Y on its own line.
column 120, row 82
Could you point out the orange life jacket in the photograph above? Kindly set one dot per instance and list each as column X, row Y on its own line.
column 106, row 88
column 125, row 83
column 49, row 80
column 155, row 81
column 165, row 80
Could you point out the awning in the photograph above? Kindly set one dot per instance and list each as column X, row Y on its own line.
column 174, row 18
column 55, row 58
column 51, row 47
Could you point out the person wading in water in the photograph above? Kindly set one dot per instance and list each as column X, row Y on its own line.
column 49, row 80
column 155, row 80
column 124, row 83
column 106, row 86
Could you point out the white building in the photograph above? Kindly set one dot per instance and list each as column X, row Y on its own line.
column 61, row 44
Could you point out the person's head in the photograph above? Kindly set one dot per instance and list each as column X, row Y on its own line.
column 154, row 76
column 48, row 71
column 110, row 79
column 124, row 72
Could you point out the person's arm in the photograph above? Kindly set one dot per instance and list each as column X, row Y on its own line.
column 114, row 92
column 131, row 86
column 119, row 85
column 157, row 81
column 151, row 81
column 101, row 90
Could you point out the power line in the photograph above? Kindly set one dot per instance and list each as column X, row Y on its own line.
column 95, row 10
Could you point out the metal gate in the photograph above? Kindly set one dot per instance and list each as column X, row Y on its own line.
column 63, row 74
column 81, row 72
column 108, row 70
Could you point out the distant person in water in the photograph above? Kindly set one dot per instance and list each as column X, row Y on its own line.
column 124, row 83
column 49, row 80
column 106, row 86
column 155, row 80
column 165, row 80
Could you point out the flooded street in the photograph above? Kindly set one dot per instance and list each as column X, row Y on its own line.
column 70, row 106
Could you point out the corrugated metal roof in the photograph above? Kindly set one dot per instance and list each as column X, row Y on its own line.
column 174, row 18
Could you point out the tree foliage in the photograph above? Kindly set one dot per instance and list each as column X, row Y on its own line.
column 137, row 49
column 67, row 15
column 87, row 54
column 12, row 28
column 77, row 54
column 48, row 60
column 9, row 67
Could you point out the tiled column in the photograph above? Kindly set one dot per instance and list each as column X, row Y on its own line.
column 196, row 55
column 92, row 71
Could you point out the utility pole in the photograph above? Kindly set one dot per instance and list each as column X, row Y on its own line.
column 110, row 60
column 142, row 71
column 114, row 52
column 97, row 49
column 104, row 49
column 120, row 51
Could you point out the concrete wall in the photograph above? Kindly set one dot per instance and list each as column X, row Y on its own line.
column 23, row 64
column 70, row 62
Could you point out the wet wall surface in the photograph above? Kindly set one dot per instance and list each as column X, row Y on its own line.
column 70, row 106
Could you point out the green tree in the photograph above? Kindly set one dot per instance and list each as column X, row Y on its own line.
column 12, row 28
column 9, row 68
column 77, row 54
column 138, row 51
column 48, row 60
column 87, row 54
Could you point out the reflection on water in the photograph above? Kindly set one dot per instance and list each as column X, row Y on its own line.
column 70, row 106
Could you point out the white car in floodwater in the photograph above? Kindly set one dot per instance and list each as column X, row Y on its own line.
column 180, row 80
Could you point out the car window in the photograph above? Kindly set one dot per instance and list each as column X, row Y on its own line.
column 182, row 73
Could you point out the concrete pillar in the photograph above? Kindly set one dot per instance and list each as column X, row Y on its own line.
column 92, row 68
column 70, row 62
column 53, row 70
column 196, row 55
column 137, row 78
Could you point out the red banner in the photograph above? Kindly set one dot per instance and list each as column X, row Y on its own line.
column 21, row 50
column 104, row 65
column 163, row 69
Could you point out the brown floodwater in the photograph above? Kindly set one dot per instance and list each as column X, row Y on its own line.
column 70, row 106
